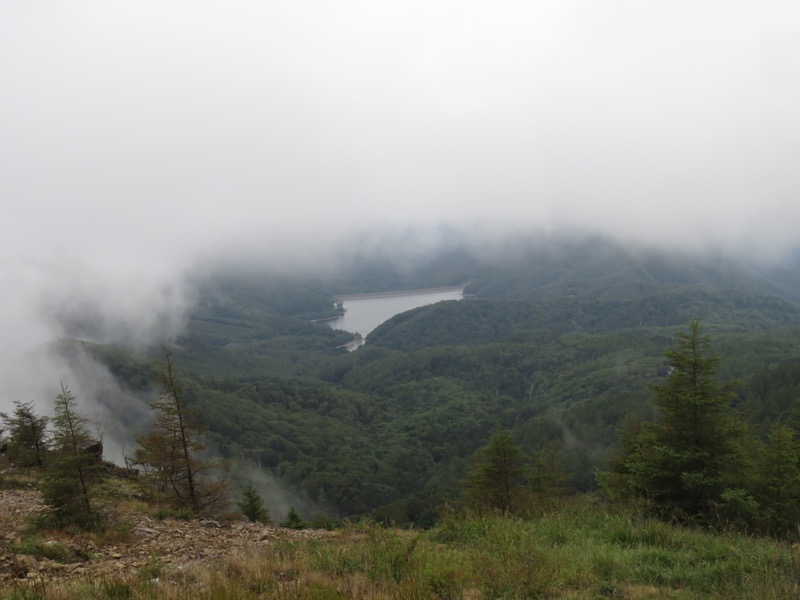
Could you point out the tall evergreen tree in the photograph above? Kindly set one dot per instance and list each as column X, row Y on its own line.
column 26, row 441
column 679, row 461
column 72, row 471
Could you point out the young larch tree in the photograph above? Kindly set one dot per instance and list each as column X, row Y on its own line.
column 170, row 453
column 497, row 478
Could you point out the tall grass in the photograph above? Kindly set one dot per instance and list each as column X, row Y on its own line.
column 581, row 551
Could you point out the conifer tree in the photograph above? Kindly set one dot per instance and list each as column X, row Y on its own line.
column 678, row 461
column 26, row 441
column 72, row 471
column 170, row 453
column 497, row 478
column 546, row 476
column 252, row 506
column 738, row 505
column 779, row 489
column 293, row 520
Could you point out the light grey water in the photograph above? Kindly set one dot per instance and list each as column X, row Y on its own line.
column 365, row 314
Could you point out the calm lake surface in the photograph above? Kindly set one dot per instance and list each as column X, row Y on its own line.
column 365, row 313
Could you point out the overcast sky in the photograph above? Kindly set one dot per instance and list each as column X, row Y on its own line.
column 137, row 138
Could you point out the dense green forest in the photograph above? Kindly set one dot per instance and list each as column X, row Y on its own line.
column 557, row 343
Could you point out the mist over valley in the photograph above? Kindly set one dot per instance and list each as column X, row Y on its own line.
column 556, row 340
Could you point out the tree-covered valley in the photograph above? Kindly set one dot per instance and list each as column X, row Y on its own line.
column 557, row 343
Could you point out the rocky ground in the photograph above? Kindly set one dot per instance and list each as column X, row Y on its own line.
column 169, row 544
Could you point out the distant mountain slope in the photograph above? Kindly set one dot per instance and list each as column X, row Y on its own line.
column 594, row 286
column 605, row 269
column 481, row 321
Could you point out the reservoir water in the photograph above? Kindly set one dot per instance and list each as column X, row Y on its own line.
column 364, row 312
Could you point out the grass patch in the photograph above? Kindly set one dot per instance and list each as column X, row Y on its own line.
column 583, row 551
column 179, row 514
column 40, row 549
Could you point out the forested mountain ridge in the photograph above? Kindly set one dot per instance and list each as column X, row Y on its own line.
column 608, row 270
column 556, row 343
column 482, row 321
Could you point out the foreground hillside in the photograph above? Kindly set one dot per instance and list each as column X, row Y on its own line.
column 138, row 542
column 582, row 550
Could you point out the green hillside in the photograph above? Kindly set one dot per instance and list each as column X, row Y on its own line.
column 557, row 343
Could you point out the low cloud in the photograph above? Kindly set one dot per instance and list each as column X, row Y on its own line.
column 277, row 496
